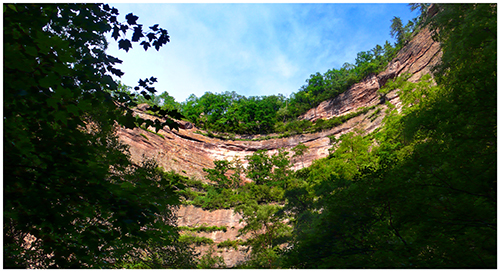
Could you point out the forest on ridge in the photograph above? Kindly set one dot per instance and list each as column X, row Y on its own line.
column 418, row 192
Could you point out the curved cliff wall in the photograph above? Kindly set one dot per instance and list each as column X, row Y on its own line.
column 187, row 152
column 416, row 58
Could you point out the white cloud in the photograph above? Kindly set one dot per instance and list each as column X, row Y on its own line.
column 253, row 49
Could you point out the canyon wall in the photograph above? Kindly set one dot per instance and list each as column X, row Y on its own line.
column 187, row 152
column 416, row 58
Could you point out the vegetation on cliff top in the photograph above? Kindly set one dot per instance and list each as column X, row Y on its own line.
column 229, row 112
column 420, row 192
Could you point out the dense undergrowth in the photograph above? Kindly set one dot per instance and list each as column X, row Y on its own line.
column 405, row 196
column 419, row 192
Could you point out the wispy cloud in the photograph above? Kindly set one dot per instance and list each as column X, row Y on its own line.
column 253, row 49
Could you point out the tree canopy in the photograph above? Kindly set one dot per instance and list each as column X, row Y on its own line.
column 424, row 196
column 419, row 192
column 72, row 196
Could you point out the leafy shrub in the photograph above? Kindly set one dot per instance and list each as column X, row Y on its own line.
column 204, row 228
column 195, row 240
column 189, row 194
column 230, row 243
column 209, row 261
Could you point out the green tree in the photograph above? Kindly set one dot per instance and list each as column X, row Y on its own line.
column 72, row 197
column 281, row 170
column 220, row 174
column 422, row 8
column 299, row 151
column 363, row 57
column 163, row 101
column 389, row 51
column 397, row 30
column 259, row 167
column 420, row 192
column 268, row 232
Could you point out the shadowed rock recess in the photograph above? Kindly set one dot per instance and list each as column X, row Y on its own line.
column 187, row 152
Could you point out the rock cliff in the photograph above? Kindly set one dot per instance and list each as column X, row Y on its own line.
column 187, row 152
column 416, row 58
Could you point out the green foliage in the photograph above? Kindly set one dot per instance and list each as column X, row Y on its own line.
column 421, row 191
column 229, row 112
column 164, row 101
column 148, row 130
column 71, row 188
column 204, row 228
column 195, row 240
column 194, row 183
column 267, row 232
column 296, row 127
column 408, row 214
column 189, row 194
column 259, row 167
column 397, row 29
column 154, row 257
column 402, row 33
column 208, row 261
column 299, row 150
column 232, row 113
column 374, row 114
column 220, row 175
column 230, row 243
column 216, row 198
column 271, row 175
column 422, row 8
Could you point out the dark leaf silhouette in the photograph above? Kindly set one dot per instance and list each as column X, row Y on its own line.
column 145, row 45
column 124, row 44
column 74, row 190
column 116, row 33
column 131, row 19
column 137, row 33
column 154, row 28
column 124, row 28
column 151, row 36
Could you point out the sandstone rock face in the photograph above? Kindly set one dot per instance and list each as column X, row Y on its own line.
column 416, row 58
column 187, row 152
column 143, row 107
column 192, row 217
column 185, row 125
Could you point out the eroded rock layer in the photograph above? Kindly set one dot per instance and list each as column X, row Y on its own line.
column 187, row 153
column 416, row 58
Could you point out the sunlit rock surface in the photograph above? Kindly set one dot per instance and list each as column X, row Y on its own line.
column 192, row 217
column 416, row 58
column 187, row 153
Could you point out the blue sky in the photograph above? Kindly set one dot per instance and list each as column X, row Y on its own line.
column 252, row 49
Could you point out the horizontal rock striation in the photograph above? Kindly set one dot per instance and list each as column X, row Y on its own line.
column 187, row 152
column 194, row 217
column 416, row 58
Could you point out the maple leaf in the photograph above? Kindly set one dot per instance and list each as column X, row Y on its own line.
column 124, row 44
column 131, row 19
